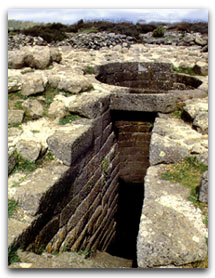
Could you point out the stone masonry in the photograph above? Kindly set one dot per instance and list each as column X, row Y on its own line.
column 69, row 204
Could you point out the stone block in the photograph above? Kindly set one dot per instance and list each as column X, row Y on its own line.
column 143, row 102
column 68, row 210
column 68, row 146
column 106, row 133
column 90, row 105
column 33, row 108
column 92, row 220
column 29, row 150
column 55, row 243
column 107, row 146
column 37, row 57
column 165, row 150
column 113, row 187
column 201, row 122
column 33, row 83
column 38, row 192
column 14, row 81
column 15, row 116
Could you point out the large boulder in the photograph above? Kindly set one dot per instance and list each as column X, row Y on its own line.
column 14, row 81
column 74, row 83
column 15, row 116
column 57, row 109
column 16, row 59
column 55, row 54
column 195, row 106
column 197, row 112
column 201, row 122
column 33, row 83
column 33, row 108
column 39, row 57
column 29, row 150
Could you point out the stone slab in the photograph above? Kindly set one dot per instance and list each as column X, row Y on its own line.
column 68, row 146
column 171, row 228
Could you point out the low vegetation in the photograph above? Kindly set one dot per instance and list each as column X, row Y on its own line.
column 189, row 173
column 12, row 207
column 24, row 165
column 52, row 32
column 159, row 32
column 68, row 119
column 185, row 70
column 12, row 254
column 89, row 70
column 178, row 112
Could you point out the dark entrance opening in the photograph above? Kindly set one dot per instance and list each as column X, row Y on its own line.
column 133, row 133
column 130, row 204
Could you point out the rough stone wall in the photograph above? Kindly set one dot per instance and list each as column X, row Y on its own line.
column 84, row 219
column 133, row 141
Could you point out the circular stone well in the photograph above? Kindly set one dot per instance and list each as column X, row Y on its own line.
column 146, row 77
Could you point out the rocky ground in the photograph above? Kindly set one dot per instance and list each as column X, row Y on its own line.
column 46, row 84
column 107, row 39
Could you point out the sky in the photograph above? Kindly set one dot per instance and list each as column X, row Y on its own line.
column 69, row 16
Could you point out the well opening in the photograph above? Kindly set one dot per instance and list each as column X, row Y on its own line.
column 146, row 78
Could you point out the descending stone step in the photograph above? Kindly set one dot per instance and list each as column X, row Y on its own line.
column 70, row 260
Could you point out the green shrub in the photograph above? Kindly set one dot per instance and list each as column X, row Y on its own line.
column 159, row 32
column 49, row 32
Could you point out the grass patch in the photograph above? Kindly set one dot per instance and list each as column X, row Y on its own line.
column 18, row 105
column 48, row 157
column 14, row 124
column 189, row 173
column 49, row 95
column 24, row 165
column 187, row 70
column 178, row 111
column 35, row 131
column 12, row 255
column 68, row 119
column 89, row 70
column 84, row 253
column 12, row 207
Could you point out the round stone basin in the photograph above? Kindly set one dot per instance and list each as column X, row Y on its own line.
column 146, row 77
